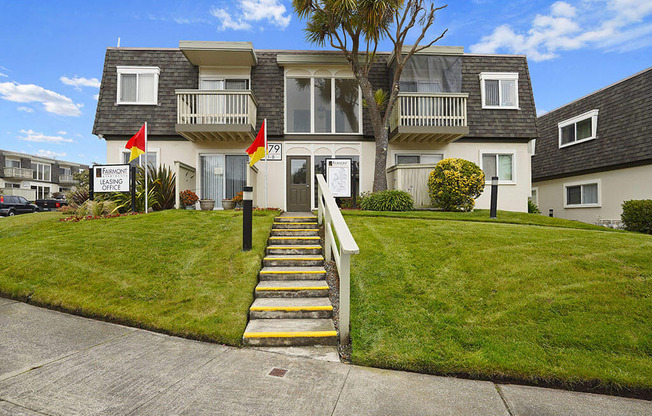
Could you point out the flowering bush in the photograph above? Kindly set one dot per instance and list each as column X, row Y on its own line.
column 238, row 199
column 454, row 184
column 77, row 218
column 188, row 197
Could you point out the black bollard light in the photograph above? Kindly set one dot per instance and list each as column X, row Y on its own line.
column 247, row 208
column 494, row 197
column 550, row 213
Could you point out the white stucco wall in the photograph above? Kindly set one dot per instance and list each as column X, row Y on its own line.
column 614, row 187
column 511, row 197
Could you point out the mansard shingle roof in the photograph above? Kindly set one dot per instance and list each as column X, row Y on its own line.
column 624, row 135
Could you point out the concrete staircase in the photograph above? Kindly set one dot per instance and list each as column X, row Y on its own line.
column 291, row 306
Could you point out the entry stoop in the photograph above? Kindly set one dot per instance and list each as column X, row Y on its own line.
column 292, row 307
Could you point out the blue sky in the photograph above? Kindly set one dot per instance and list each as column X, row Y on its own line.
column 52, row 51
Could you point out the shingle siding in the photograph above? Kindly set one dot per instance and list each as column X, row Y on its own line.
column 268, row 87
column 498, row 123
column 623, row 131
column 176, row 73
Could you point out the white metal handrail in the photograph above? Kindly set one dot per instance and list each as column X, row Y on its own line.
column 216, row 107
column 329, row 214
column 430, row 110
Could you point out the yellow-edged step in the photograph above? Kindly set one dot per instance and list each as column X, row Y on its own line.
column 294, row 258
column 292, row 271
column 293, row 288
column 306, row 334
column 291, row 308
column 294, row 238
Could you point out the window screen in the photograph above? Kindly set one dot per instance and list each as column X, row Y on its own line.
column 491, row 92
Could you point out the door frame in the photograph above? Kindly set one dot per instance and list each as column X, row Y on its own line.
column 309, row 179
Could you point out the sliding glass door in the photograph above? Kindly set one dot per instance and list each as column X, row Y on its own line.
column 222, row 176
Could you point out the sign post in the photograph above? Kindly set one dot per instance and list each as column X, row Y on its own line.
column 113, row 178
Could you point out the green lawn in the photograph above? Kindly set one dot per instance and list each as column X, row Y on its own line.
column 180, row 272
column 537, row 304
column 482, row 215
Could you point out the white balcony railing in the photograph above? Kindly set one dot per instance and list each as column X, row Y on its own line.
column 216, row 107
column 66, row 179
column 18, row 173
column 416, row 109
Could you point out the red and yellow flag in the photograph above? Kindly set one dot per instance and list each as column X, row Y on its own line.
column 258, row 150
column 137, row 144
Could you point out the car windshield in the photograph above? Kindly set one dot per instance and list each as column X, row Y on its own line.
column 22, row 200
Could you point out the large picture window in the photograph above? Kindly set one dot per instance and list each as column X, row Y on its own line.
column 499, row 90
column 152, row 159
column 137, row 85
column 500, row 165
column 323, row 105
column 42, row 172
column 578, row 129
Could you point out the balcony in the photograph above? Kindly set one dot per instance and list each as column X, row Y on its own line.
column 67, row 179
column 18, row 173
column 216, row 115
column 428, row 118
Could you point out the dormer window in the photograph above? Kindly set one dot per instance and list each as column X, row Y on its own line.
column 138, row 85
column 499, row 90
column 578, row 129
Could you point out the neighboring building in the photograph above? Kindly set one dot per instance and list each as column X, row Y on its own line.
column 35, row 177
column 205, row 101
column 596, row 152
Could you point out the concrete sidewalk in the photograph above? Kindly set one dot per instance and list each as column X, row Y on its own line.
column 57, row 364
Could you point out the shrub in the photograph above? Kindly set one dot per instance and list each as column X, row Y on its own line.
column 637, row 215
column 188, row 198
column 160, row 190
column 532, row 207
column 454, row 184
column 96, row 208
column 77, row 197
column 238, row 199
column 387, row 201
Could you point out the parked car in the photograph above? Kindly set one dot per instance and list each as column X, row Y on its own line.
column 50, row 204
column 11, row 205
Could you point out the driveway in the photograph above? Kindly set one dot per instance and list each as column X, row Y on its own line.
column 53, row 363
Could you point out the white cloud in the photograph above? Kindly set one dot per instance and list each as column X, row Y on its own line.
column 79, row 82
column 228, row 22
column 50, row 154
column 25, row 109
column 3, row 75
column 571, row 27
column 96, row 97
column 63, row 133
column 33, row 136
column 30, row 93
column 272, row 11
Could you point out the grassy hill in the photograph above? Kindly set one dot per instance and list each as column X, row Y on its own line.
column 561, row 302
column 180, row 272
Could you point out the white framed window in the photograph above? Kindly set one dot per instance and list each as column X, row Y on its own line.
column 578, row 129
column 42, row 171
column 152, row 158
column 499, row 90
column 500, row 164
column 323, row 105
column 42, row 192
column 408, row 158
column 65, row 170
column 138, row 85
column 534, row 195
column 12, row 163
column 12, row 185
column 586, row 194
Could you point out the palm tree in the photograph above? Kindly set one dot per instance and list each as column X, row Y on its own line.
column 355, row 27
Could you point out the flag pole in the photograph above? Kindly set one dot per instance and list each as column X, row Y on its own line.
column 146, row 169
column 266, row 160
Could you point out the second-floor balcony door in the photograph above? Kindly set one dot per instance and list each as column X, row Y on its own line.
column 213, row 107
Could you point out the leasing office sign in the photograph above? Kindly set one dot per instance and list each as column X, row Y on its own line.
column 111, row 178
